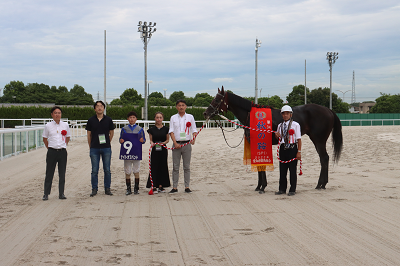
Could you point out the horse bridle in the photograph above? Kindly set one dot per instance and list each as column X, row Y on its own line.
column 222, row 104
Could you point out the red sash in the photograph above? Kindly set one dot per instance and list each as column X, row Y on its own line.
column 260, row 141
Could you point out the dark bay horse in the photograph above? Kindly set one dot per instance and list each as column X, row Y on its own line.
column 315, row 120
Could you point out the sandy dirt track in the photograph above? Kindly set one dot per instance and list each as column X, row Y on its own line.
column 355, row 221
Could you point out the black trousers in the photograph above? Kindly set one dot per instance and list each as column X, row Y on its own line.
column 53, row 158
column 286, row 155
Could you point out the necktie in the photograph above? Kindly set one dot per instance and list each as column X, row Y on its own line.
column 284, row 135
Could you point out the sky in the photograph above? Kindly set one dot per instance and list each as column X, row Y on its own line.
column 200, row 46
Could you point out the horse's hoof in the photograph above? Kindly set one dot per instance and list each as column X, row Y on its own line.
column 261, row 191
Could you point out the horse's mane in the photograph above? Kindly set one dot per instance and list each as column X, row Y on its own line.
column 239, row 101
column 261, row 106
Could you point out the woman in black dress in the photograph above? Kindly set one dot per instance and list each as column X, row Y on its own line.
column 159, row 155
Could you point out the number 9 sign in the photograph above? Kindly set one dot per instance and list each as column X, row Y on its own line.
column 131, row 148
column 128, row 146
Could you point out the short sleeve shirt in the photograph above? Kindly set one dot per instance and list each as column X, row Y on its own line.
column 179, row 124
column 56, row 134
column 98, row 129
column 297, row 132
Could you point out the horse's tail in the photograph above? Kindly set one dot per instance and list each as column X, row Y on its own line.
column 337, row 138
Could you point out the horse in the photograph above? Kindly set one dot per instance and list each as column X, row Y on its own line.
column 317, row 121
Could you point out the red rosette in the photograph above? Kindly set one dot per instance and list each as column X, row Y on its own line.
column 63, row 132
column 291, row 131
column 188, row 125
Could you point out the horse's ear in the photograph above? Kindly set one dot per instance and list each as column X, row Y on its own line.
column 219, row 91
column 222, row 90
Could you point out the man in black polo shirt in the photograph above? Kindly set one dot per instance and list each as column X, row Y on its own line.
column 100, row 131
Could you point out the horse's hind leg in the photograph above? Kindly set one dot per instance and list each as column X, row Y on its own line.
column 259, row 182
column 324, row 160
column 262, row 182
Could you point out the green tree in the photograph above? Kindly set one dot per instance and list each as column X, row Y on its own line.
column 322, row 97
column 14, row 92
column 78, row 96
column 131, row 97
column 156, row 94
column 274, row 101
column 296, row 97
column 176, row 95
column 387, row 103
column 202, row 99
column 116, row 102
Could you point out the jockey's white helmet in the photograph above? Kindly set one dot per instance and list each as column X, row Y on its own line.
column 286, row 108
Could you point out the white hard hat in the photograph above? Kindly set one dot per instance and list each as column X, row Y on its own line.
column 286, row 108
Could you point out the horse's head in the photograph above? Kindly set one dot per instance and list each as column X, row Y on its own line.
column 218, row 104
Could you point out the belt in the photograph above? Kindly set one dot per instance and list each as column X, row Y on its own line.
column 182, row 142
column 62, row 149
column 291, row 146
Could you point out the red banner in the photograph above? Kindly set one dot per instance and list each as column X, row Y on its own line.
column 260, row 141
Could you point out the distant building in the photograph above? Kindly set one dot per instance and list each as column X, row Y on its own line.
column 365, row 107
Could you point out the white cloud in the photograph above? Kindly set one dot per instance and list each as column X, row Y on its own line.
column 221, row 80
column 61, row 43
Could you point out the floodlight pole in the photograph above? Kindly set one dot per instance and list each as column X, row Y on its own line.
column 105, row 86
column 146, row 31
column 258, row 44
column 343, row 94
column 331, row 57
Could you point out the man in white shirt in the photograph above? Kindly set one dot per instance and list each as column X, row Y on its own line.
column 290, row 147
column 56, row 135
column 182, row 125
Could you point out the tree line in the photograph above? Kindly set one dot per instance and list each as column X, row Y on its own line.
column 18, row 92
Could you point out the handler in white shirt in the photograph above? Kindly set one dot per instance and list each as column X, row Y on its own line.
column 56, row 136
column 182, row 125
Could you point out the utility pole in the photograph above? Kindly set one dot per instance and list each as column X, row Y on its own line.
column 258, row 44
column 353, row 89
column 305, row 81
column 331, row 57
column 105, row 94
column 146, row 31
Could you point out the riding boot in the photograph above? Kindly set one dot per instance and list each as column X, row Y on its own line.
column 136, row 188
column 128, row 187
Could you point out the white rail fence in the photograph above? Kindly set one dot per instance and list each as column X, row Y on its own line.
column 28, row 136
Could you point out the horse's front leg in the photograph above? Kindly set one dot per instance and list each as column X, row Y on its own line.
column 324, row 160
column 262, row 182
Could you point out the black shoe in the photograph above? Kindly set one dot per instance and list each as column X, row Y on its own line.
column 291, row 193
column 94, row 192
column 136, row 191
column 257, row 189
column 62, row 196
column 174, row 190
column 108, row 191
column 128, row 192
column 187, row 190
column 261, row 191
column 45, row 197
column 279, row 192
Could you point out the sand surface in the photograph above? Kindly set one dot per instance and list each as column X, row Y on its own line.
column 355, row 221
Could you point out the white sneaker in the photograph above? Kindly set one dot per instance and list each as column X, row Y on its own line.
column 155, row 191
column 161, row 190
